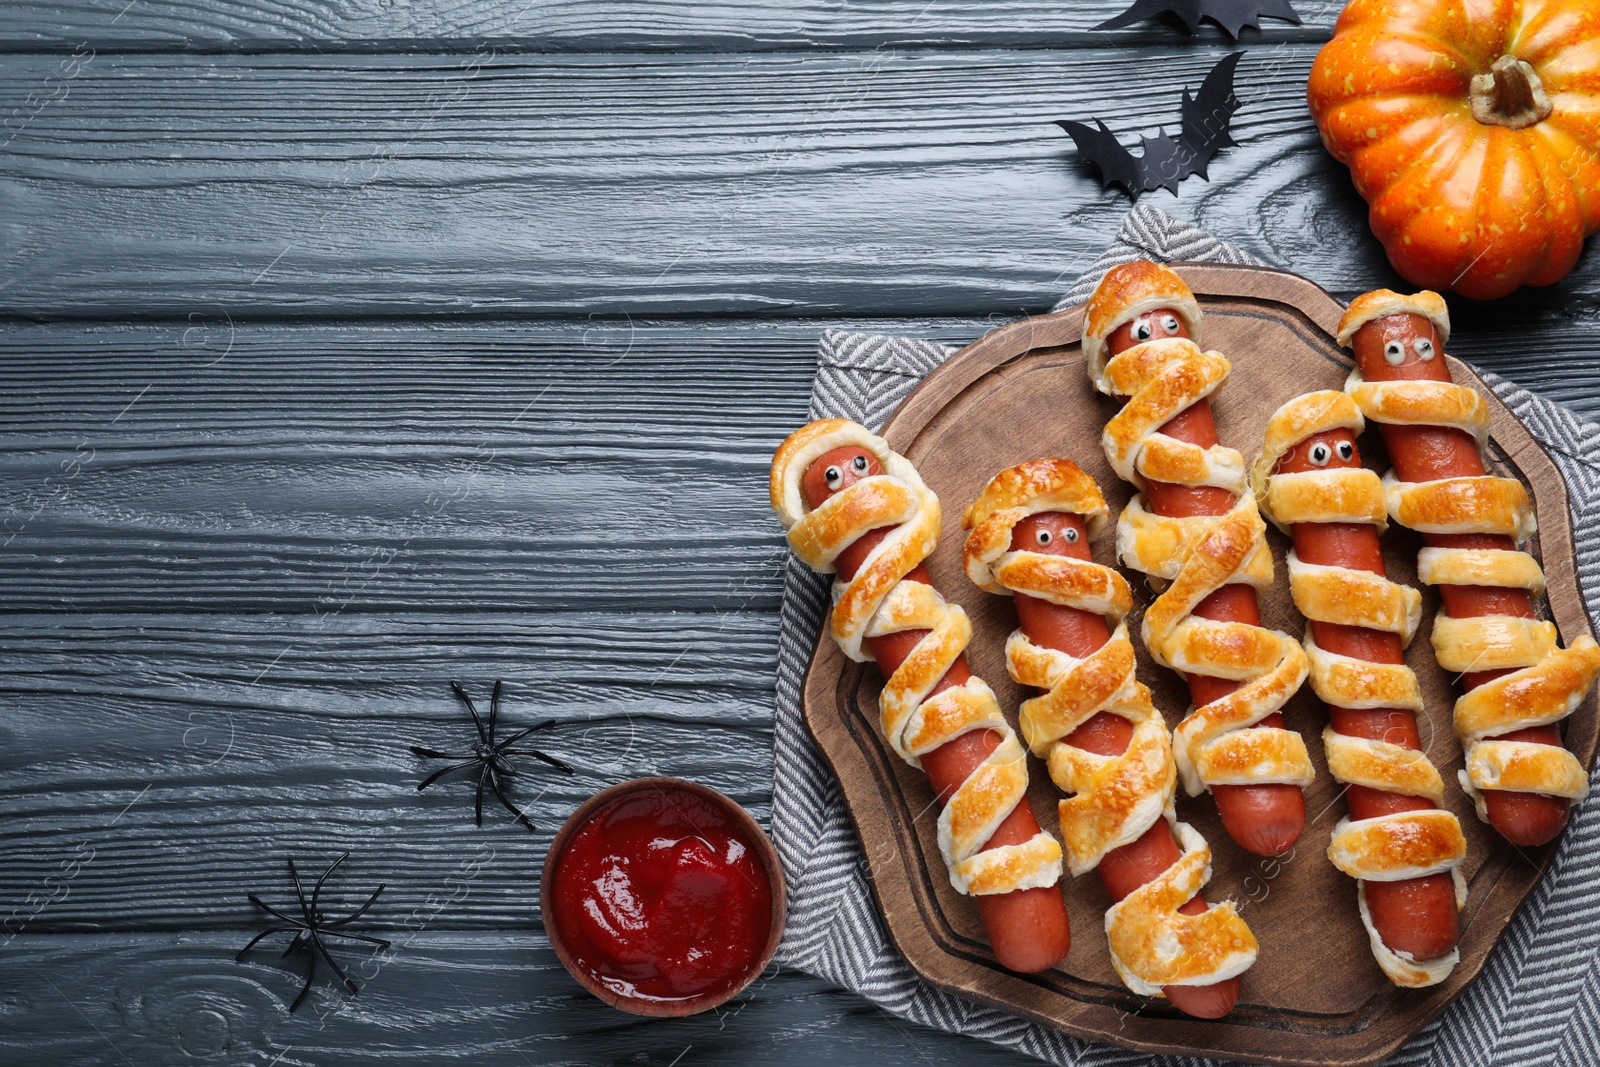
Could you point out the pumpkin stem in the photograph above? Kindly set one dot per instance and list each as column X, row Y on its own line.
column 1509, row 95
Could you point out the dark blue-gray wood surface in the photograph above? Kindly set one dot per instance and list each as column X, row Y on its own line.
column 350, row 348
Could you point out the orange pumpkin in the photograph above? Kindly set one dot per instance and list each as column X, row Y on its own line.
column 1472, row 128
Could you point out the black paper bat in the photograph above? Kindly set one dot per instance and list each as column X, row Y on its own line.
column 1231, row 15
column 1166, row 161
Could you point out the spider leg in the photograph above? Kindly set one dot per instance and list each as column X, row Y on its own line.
column 436, row 775
column 353, row 916
column 257, row 939
column 317, row 890
column 270, row 910
column 311, row 973
column 295, row 945
column 512, row 808
column 513, row 739
column 317, row 944
column 356, row 937
column 461, row 694
column 546, row 757
column 431, row 754
column 494, row 709
column 481, row 777
column 503, row 745
column 305, row 908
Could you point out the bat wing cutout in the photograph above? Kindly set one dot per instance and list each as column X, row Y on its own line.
column 1231, row 15
column 1165, row 161
column 1099, row 146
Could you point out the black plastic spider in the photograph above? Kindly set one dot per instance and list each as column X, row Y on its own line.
column 312, row 927
column 493, row 756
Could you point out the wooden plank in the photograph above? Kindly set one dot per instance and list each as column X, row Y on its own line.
column 513, row 467
column 437, row 997
column 843, row 183
column 577, row 26
column 165, row 759
column 491, row 467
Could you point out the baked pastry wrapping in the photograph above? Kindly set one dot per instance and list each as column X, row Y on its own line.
column 1124, row 294
column 1381, row 302
column 879, row 601
column 1547, row 682
column 1113, row 800
column 1198, row 555
column 1393, row 847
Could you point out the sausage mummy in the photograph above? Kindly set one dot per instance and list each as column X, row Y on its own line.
column 1240, row 673
column 1519, row 684
column 1161, row 935
column 1398, row 842
column 855, row 508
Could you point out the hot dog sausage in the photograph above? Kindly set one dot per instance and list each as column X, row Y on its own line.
column 1417, row 916
column 1079, row 633
column 1028, row 927
column 1266, row 819
column 1423, row 453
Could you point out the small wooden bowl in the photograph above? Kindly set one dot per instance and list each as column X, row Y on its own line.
column 757, row 838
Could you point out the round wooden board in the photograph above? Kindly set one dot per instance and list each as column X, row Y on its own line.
column 1315, row 995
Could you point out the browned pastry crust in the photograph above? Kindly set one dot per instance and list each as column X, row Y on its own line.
column 1547, row 682
column 1112, row 800
column 1161, row 378
column 1125, row 293
column 1405, row 845
column 879, row 601
column 1380, row 302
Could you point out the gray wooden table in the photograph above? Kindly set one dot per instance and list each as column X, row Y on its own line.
column 354, row 347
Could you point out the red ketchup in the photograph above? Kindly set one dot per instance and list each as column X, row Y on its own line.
column 660, row 897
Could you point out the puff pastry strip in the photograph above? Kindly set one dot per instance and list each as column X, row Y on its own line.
column 1197, row 556
column 1547, row 682
column 1395, row 847
column 1113, row 800
column 879, row 601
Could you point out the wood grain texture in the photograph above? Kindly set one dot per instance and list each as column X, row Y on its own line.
column 438, row 997
column 225, row 450
column 1306, row 1001
column 233, row 742
column 609, row 25
column 203, row 466
column 843, row 183
column 515, row 467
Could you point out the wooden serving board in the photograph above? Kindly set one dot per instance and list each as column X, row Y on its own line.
column 1315, row 995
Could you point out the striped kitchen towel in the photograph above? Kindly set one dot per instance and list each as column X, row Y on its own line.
column 1537, row 1001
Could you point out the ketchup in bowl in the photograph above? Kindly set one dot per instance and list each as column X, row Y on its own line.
column 662, row 897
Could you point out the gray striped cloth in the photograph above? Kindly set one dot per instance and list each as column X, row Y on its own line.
column 1537, row 1001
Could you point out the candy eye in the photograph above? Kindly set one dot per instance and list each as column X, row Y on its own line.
column 1169, row 323
column 1320, row 454
column 1394, row 353
column 833, row 476
column 1043, row 537
column 1423, row 347
column 1142, row 330
column 1071, row 535
column 860, row 463
column 1346, row 450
